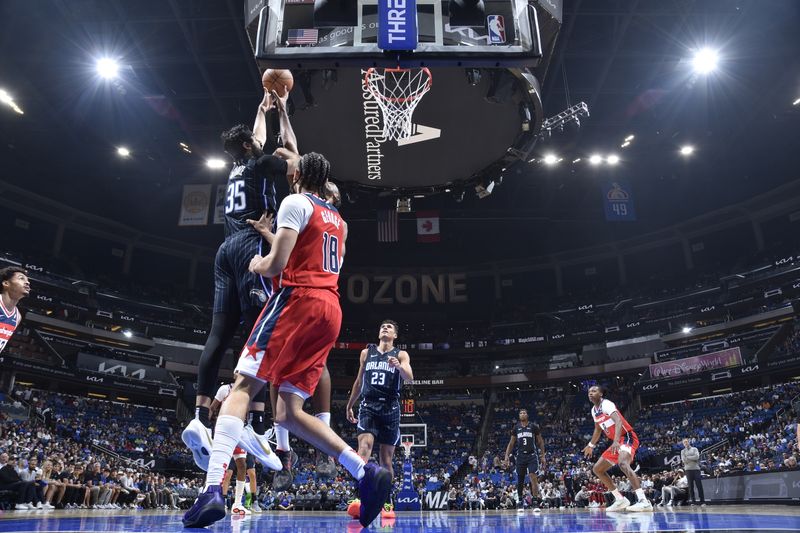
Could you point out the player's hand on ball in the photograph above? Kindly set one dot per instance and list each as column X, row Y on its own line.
column 394, row 362
column 281, row 100
column 267, row 102
column 350, row 417
column 254, row 263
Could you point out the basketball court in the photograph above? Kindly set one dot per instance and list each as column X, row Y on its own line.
column 710, row 519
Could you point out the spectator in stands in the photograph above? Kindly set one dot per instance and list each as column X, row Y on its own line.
column 690, row 457
column 285, row 502
column 582, row 496
column 11, row 481
column 677, row 491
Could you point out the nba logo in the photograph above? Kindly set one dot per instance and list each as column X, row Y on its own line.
column 497, row 29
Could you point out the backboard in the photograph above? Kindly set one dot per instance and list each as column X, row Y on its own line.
column 483, row 111
column 297, row 34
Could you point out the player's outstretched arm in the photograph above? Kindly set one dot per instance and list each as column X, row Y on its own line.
column 260, row 123
column 274, row 263
column 287, row 133
column 403, row 363
column 355, row 391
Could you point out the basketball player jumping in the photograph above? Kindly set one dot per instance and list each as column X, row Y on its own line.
column 15, row 287
column 291, row 341
column 239, row 294
column 380, row 375
column 530, row 456
column 624, row 442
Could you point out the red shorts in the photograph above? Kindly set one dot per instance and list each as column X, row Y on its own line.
column 239, row 453
column 629, row 442
column 292, row 338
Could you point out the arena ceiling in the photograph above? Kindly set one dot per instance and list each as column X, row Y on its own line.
column 187, row 73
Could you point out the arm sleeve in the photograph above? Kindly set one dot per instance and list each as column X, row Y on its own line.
column 271, row 165
column 608, row 407
column 295, row 212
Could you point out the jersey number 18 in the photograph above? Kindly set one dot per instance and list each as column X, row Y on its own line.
column 330, row 253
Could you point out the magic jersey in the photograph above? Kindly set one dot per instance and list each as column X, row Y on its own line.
column 526, row 436
column 316, row 258
column 9, row 320
column 602, row 416
column 251, row 191
column 380, row 379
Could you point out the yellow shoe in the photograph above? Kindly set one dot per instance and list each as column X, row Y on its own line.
column 387, row 511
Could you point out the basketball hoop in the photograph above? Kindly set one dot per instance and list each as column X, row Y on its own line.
column 398, row 91
column 407, row 447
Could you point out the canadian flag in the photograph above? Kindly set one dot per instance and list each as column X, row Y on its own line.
column 428, row 226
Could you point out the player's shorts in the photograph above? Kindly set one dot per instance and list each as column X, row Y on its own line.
column 381, row 418
column 527, row 462
column 292, row 338
column 239, row 453
column 629, row 442
column 235, row 288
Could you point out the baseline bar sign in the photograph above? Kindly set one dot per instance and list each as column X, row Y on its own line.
column 397, row 24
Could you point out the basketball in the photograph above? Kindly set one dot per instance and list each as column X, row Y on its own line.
column 274, row 79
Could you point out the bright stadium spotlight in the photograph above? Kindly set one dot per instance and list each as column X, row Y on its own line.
column 595, row 159
column 551, row 159
column 128, row 333
column 576, row 160
column 613, row 159
column 107, row 68
column 687, row 150
column 8, row 100
column 629, row 138
column 215, row 163
column 705, row 60
column 686, row 329
column 123, row 152
column 796, row 102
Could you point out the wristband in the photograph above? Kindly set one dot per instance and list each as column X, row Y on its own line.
column 590, row 445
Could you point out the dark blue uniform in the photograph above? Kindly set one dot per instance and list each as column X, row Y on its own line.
column 379, row 412
column 527, row 449
column 250, row 192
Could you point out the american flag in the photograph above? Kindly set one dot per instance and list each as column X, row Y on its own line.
column 387, row 225
column 303, row 37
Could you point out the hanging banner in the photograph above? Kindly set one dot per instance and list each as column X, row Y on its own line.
column 219, row 204
column 618, row 202
column 194, row 206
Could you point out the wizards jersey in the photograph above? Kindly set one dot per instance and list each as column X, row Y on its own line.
column 602, row 416
column 317, row 257
column 8, row 324
column 381, row 380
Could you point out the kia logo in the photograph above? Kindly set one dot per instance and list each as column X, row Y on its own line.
column 748, row 369
column 653, row 386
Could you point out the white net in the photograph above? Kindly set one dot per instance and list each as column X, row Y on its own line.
column 407, row 448
column 398, row 91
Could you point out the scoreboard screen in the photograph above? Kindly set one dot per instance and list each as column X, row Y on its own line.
column 407, row 405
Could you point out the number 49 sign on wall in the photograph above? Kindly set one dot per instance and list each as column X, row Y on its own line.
column 618, row 202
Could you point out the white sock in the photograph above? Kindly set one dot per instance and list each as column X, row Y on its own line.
column 227, row 433
column 325, row 417
column 617, row 494
column 352, row 462
column 640, row 495
column 237, row 497
column 282, row 436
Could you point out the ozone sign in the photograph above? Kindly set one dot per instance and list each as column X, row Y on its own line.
column 397, row 24
column 407, row 289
